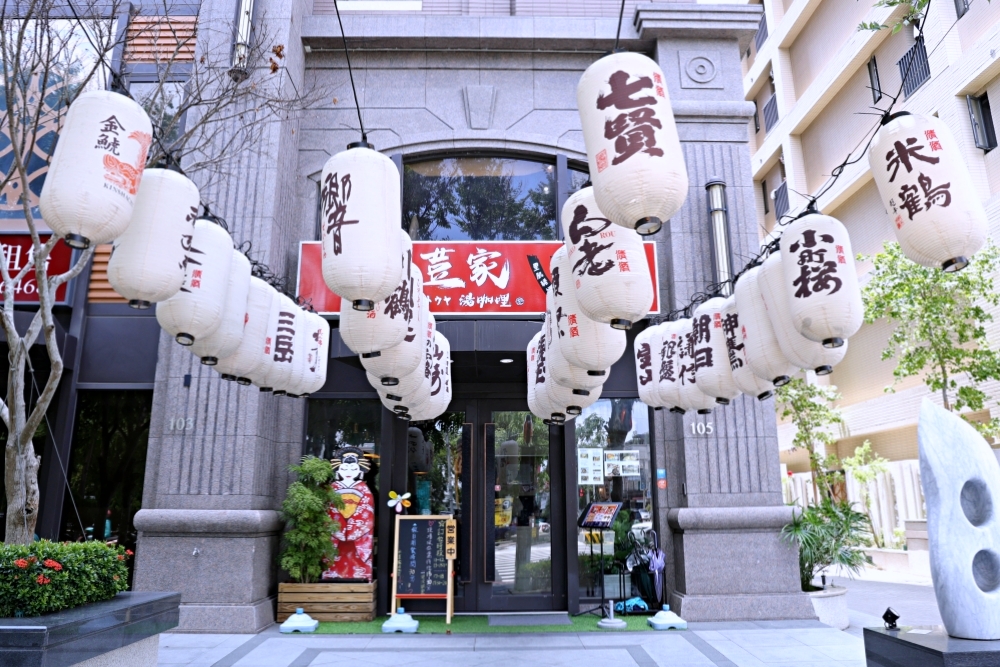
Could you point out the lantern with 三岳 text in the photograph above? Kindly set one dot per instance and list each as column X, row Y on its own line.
column 647, row 346
column 587, row 344
column 93, row 178
column 441, row 391
column 713, row 369
column 927, row 191
column 818, row 262
column 608, row 267
column 317, row 352
column 240, row 364
column 279, row 369
column 633, row 150
column 225, row 340
column 392, row 364
column 360, row 203
column 147, row 264
column 736, row 346
column 761, row 347
column 684, row 352
column 196, row 310
column 795, row 347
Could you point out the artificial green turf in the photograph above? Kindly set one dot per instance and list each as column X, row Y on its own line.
column 435, row 625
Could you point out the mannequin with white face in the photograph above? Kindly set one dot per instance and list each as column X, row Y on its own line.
column 355, row 523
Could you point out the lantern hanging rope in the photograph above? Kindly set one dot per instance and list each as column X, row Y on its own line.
column 350, row 73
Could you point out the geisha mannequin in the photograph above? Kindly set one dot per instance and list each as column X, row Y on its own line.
column 355, row 524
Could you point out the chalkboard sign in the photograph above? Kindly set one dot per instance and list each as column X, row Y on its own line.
column 425, row 546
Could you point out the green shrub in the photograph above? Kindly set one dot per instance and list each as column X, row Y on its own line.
column 831, row 533
column 307, row 542
column 46, row 577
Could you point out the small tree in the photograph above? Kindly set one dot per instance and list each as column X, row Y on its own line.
column 827, row 534
column 810, row 408
column 940, row 324
column 865, row 467
column 308, row 542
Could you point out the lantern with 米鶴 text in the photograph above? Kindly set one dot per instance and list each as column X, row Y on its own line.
column 240, row 364
column 608, row 267
column 820, row 276
column 760, row 343
column 633, row 150
column 713, row 372
column 196, row 310
column 360, row 223
column 647, row 346
column 317, row 352
column 225, row 340
column 795, row 347
column 147, row 264
column 927, row 190
column 398, row 361
column 736, row 346
column 683, row 391
column 93, row 178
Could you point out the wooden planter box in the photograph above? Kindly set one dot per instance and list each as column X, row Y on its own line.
column 328, row 601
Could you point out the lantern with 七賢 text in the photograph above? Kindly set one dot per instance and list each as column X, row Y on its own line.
column 927, row 191
column 225, row 340
column 736, row 346
column 713, row 372
column 761, row 346
column 633, row 149
column 93, row 178
column 147, row 265
column 241, row 363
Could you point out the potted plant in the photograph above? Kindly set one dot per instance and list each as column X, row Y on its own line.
column 830, row 533
column 307, row 548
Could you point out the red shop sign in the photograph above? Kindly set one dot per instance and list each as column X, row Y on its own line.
column 466, row 277
column 17, row 251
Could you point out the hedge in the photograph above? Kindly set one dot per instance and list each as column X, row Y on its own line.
column 46, row 577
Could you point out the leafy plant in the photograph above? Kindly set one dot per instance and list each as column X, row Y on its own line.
column 45, row 577
column 865, row 467
column 307, row 542
column 810, row 408
column 915, row 10
column 830, row 533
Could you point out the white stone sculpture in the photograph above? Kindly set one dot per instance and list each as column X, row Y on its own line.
column 961, row 479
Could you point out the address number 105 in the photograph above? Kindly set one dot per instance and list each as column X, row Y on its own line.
column 702, row 428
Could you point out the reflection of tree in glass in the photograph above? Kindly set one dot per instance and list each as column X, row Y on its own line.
column 445, row 436
column 431, row 199
column 492, row 206
column 591, row 431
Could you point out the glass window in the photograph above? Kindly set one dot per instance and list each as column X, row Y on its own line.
column 577, row 179
column 479, row 198
column 162, row 101
column 612, row 444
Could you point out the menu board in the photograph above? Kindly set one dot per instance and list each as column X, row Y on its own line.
column 621, row 463
column 590, row 466
column 422, row 569
column 599, row 515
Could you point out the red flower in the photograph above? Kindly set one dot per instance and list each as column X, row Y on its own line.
column 52, row 564
column 42, row 579
column 120, row 557
column 21, row 563
column 115, row 577
column 129, row 552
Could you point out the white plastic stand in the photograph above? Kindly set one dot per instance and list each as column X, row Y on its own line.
column 300, row 622
column 667, row 620
column 400, row 622
column 612, row 623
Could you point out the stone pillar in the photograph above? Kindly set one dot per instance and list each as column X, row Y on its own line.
column 723, row 503
column 216, row 470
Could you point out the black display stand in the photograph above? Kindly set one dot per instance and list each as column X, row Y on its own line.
column 927, row 647
column 599, row 515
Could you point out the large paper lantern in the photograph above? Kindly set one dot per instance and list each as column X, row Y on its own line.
column 536, row 407
column 441, row 389
column 635, row 156
column 284, row 349
column 736, row 346
column 759, row 340
column 678, row 380
column 820, row 275
column 542, row 382
column 360, row 219
column 398, row 361
column 147, row 265
column 196, row 310
column 928, row 191
column 798, row 349
column 667, row 373
column 565, row 404
column 586, row 343
column 648, row 346
column 225, row 340
column 566, row 374
column 713, row 368
column 422, row 391
column 317, row 352
column 93, row 178
column 248, row 356
column 608, row 265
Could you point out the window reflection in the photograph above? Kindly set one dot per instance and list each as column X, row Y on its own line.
column 479, row 198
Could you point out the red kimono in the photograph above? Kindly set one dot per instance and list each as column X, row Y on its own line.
column 353, row 536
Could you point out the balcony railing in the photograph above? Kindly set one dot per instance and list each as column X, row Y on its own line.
column 781, row 200
column 914, row 68
column 761, row 37
column 771, row 113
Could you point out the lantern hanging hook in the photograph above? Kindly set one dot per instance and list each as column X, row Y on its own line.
column 350, row 73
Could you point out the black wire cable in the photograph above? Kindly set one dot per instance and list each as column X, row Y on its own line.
column 350, row 70
column 618, row 34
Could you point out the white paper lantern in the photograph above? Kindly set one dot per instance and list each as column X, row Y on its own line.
column 927, row 190
column 441, row 389
column 196, row 310
column 736, row 346
column 538, row 409
column 820, row 275
column 422, row 392
column 240, row 364
column 585, row 343
column 225, row 340
column 608, row 265
column 285, row 346
column 667, row 374
column 93, row 178
column 648, row 346
column 713, row 372
column 147, row 265
column 542, row 383
column 360, row 220
column 317, row 352
column 564, row 402
column 795, row 347
column 681, row 354
column 398, row 361
column 635, row 156
column 760, row 342
column 566, row 374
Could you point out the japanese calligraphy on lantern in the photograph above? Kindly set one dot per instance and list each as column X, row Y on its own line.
column 634, row 129
column 818, row 259
column 694, row 349
column 18, row 251
column 469, row 278
column 911, row 160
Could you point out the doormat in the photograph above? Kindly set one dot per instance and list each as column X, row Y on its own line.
column 465, row 625
column 529, row 619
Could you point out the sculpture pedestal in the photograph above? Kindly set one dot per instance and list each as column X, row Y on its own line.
column 928, row 647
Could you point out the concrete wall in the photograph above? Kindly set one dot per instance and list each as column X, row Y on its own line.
column 831, row 23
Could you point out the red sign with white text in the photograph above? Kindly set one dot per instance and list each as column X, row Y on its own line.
column 17, row 252
column 466, row 277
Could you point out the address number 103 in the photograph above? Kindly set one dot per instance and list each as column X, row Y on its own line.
column 181, row 424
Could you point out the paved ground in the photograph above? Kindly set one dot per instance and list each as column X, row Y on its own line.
column 868, row 595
